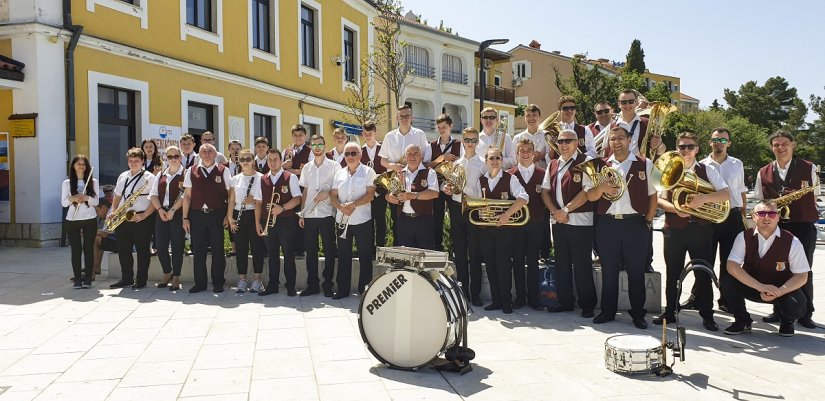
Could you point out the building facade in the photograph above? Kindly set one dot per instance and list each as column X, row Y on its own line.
column 534, row 79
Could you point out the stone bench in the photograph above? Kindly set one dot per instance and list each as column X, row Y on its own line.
column 653, row 281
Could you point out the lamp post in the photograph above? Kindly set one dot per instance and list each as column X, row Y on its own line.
column 483, row 68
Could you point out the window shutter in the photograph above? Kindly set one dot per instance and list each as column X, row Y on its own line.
column 528, row 71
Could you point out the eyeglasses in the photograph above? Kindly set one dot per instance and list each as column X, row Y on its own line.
column 603, row 111
column 470, row 140
column 766, row 213
column 489, row 117
column 686, row 147
column 350, row 154
column 404, row 116
column 172, row 157
column 317, row 145
column 781, row 145
column 244, row 159
column 568, row 108
column 565, row 141
column 719, row 140
column 207, row 140
column 628, row 101
column 491, row 158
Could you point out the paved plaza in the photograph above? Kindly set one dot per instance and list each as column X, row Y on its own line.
column 57, row 343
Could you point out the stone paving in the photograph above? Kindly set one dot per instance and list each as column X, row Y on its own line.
column 57, row 343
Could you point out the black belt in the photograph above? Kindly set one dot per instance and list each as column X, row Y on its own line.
column 410, row 214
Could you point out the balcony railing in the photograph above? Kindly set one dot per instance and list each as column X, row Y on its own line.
column 420, row 70
column 496, row 94
column 454, row 76
column 423, row 123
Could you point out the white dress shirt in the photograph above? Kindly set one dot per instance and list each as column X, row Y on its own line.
column 240, row 183
column 634, row 134
column 135, row 182
column 317, row 179
column 395, row 143
column 589, row 142
column 623, row 205
column 165, row 202
column 225, row 179
column 409, row 178
column 783, row 172
column 485, row 141
column 797, row 259
column 733, row 172
column 192, row 157
column 539, row 144
column 86, row 212
column 352, row 187
column 337, row 157
column 515, row 186
column 474, row 168
column 576, row 219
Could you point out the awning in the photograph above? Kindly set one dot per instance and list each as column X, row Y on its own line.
column 350, row 129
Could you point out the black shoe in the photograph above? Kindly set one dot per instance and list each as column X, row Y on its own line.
column 217, row 289
column 477, row 302
column 664, row 316
column 786, row 328
column 230, row 254
column 772, row 318
column 162, row 285
column 268, row 291
column 649, row 269
column 640, row 323
column 710, row 324
column 290, row 292
column 340, row 295
column 518, row 304
column 559, row 308
column 121, row 284
column 738, row 328
column 189, row 253
column 328, row 293
column 310, row 291
column 196, row 289
column 538, row 307
column 603, row 318
column 587, row 313
column 87, row 282
column 690, row 304
column 807, row 323
column 723, row 308
column 492, row 306
column 137, row 286
column 507, row 309
column 78, row 284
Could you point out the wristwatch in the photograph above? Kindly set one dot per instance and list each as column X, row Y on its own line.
column 565, row 209
column 416, row 195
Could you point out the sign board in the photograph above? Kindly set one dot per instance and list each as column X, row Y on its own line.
column 23, row 125
column 164, row 136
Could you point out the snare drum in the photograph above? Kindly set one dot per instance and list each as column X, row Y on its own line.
column 632, row 354
column 408, row 317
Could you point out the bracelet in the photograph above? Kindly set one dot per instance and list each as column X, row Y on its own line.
column 186, row 218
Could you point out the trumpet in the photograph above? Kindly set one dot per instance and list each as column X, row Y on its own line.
column 486, row 212
column 89, row 178
column 605, row 174
column 658, row 115
column 669, row 174
column 270, row 219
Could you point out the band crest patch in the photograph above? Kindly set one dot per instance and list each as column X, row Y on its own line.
column 780, row 266
column 218, row 179
column 642, row 175
column 577, row 178
column 284, row 189
column 423, row 183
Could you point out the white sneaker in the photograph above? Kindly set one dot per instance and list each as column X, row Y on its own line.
column 243, row 286
column 257, row 286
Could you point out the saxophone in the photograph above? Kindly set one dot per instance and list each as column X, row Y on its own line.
column 123, row 213
column 783, row 202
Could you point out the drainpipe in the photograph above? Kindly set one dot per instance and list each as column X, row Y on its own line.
column 76, row 31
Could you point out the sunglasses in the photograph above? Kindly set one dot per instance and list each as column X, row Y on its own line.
column 317, row 146
column 207, row 140
column 489, row 117
column 565, row 141
column 719, row 140
column 568, row 108
column 686, row 147
column 350, row 154
column 172, row 157
column 244, row 159
column 628, row 101
column 603, row 111
column 491, row 158
column 404, row 116
column 766, row 213
column 470, row 140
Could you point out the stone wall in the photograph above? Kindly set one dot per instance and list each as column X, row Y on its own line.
column 30, row 235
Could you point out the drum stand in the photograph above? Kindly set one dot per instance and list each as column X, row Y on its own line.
column 459, row 355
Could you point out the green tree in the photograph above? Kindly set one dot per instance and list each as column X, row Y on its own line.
column 772, row 106
column 716, row 106
column 386, row 61
column 659, row 93
column 629, row 79
column 588, row 86
column 636, row 57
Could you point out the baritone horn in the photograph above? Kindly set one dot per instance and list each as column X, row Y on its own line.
column 485, row 212
column 669, row 174
column 552, row 129
column 600, row 175
column 659, row 112
column 454, row 175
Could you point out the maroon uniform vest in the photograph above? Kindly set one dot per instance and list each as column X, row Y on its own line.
column 595, row 131
column 174, row 188
column 502, row 189
column 803, row 210
column 642, row 134
column 330, row 155
column 533, row 189
column 423, row 207
column 773, row 268
column 282, row 189
column 672, row 220
column 209, row 190
column 301, row 158
column 376, row 161
column 454, row 148
column 580, row 133
column 571, row 183
column 636, row 187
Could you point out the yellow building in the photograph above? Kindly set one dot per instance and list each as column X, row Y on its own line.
column 498, row 90
column 157, row 69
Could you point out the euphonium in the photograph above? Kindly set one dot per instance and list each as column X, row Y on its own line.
column 598, row 176
column 485, row 212
column 552, row 129
column 783, row 203
column 270, row 219
column 658, row 115
column 454, row 175
column 669, row 173
column 123, row 213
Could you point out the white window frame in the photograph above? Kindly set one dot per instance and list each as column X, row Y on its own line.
column 139, row 10
column 216, row 101
column 312, row 120
column 142, row 110
column 268, row 111
column 497, row 77
column 212, row 37
column 274, row 56
column 345, row 23
column 302, row 69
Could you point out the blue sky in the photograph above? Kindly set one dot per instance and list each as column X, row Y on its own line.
column 710, row 45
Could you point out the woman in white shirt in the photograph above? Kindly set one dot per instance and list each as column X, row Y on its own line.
column 246, row 189
column 81, row 219
column 166, row 196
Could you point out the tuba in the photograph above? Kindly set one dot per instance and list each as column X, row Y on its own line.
column 669, row 173
column 485, row 212
column 598, row 176
column 454, row 175
column 658, row 115
column 552, row 129
column 123, row 213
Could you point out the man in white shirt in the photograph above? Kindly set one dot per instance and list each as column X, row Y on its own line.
column 567, row 120
column 634, row 124
column 767, row 265
column 209, row 138
column 188, row 157
column 336, row 154
column 415, row 205
column 261, row 149
column 490, row 136
column 604, row 115
column 532, row 114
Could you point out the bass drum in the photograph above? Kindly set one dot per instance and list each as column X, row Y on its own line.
column 407, row 318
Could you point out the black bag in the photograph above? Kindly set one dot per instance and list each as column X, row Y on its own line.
column 548, row 295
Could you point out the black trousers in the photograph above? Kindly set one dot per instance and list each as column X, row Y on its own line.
column 363, row 235
column 467, row 252
column 170, row 232
column 439, row 210
column 546, row 237
column 394, row 220
column 496, row 246
column 378, row 207
column 82, row 235
column 325, row 228
column 806, row 232
column 416, row 232
column 526, row 249
column 245, row 239
column 697, row 240
column 623, row 243
column 282, row 238
column 790, row 306
column 574, row 264
column 724, row 234
column 138, row 235
column 206, row 231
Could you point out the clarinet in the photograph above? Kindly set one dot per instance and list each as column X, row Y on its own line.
column 248, row 190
